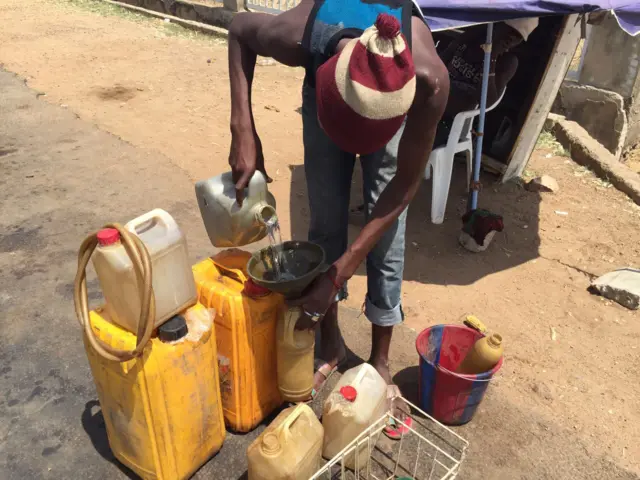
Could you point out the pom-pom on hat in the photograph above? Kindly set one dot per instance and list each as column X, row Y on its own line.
column 363, row 93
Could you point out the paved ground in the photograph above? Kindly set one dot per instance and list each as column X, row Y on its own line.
column 61, row 178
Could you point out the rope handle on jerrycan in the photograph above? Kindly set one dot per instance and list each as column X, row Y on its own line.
column 141, row 263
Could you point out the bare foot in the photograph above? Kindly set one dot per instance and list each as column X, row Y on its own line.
column 332, row 349
column 395, row 405
column 325, row 367
column 382, row 367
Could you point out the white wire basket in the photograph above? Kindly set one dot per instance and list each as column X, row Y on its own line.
column 427, row 451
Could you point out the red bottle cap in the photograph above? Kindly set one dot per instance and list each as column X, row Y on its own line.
column 108, row 236
column 349, row 393
column 251, row 289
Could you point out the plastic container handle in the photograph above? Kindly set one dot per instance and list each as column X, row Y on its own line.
column 285, row 428
column 361, row 374
column 233, row 258
column 291, row 318
column 257, row 185
column 139, row 225
column 233, row 273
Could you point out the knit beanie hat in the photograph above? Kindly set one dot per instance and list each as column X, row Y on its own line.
column 363, row 94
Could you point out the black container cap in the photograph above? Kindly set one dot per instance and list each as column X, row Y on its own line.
column 173, row 329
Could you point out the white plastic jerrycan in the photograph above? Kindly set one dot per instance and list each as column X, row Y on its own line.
column 174, row 287
column 227, row 223
column 358, row 400
column 289, row 448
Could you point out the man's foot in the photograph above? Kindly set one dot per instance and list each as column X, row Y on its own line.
column 380, row 343
column 382, row 367
column 379, row 359
column 396, row 429
column 333, row 352
column 324, row 370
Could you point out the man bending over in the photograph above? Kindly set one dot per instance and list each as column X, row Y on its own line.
column 374, row 87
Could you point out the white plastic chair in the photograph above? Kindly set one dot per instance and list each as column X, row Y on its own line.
column 441, row 159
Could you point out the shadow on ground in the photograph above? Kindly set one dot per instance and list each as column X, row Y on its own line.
column 93, row 424
column 436, row 257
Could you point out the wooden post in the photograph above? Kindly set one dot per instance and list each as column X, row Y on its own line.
column 547, row 91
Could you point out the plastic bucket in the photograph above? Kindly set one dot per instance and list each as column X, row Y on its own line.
column 449, row 397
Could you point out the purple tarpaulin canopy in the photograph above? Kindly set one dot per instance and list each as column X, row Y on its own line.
column 444, row 14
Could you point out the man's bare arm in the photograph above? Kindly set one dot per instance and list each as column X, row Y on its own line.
column 250, row 35
column 432, row 91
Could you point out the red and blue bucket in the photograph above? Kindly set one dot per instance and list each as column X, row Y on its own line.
column 449, row 397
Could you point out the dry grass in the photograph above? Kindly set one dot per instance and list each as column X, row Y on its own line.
column 575, row 61
column 548, row 141
column 167, row 28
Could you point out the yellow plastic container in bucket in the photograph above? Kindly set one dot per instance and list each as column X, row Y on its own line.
column 451, row 398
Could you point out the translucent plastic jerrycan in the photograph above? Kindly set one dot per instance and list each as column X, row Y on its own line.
column 227, row 223
column 173, row 284
column 295, row 357
column 246, row 334
column 162, row 410
column 289, row 449
column 358, row 400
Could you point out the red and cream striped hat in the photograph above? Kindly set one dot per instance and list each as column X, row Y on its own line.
column 363, row 94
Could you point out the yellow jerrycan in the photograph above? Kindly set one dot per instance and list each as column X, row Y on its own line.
column 245, row 327
column 295, row 357
column 158, row 389
column 290, row 447
column 162, row 410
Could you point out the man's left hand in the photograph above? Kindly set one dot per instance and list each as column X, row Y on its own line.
column 315, row 301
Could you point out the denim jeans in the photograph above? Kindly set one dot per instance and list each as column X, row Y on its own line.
column 328, row 172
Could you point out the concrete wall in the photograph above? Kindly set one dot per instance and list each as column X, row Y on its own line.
column 219, row 16
column 600, row 112
column 612, row 62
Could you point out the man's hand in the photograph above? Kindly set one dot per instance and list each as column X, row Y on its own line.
column 252, row 34
column 245, row 157
column 316, row 299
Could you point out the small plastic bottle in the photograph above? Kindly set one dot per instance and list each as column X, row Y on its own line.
column 483, row 356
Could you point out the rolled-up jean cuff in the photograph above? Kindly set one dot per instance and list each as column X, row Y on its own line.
column 383, row 318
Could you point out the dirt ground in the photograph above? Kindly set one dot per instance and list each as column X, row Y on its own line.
column 571, row 358
column 632, row 159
